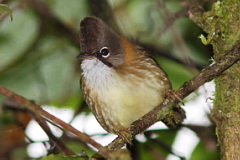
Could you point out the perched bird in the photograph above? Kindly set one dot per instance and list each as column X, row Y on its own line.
column 120, row 81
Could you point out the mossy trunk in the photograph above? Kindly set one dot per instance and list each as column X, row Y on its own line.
column 222, row 24
column 226, row 112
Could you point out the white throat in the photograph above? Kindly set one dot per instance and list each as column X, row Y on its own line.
column 97, row 74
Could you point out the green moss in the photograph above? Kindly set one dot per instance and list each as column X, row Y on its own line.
column 222, row 22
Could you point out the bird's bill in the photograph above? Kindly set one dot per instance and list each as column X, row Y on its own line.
column 85, row 56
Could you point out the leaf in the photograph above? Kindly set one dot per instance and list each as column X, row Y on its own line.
column 79, row 148
column 202, row 153
column 156, row 147
column 61, row 157
column 4, row 8
column 177, row 73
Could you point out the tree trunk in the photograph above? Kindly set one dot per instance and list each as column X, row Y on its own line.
column 222, row 23
column 226, row 112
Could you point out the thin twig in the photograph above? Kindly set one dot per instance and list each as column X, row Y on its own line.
column 161, row 144
column 56, row 141
column 52, row 138
column 177, row 38
column 155, row 51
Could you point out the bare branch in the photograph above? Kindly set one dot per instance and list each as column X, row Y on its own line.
column 37, row 110
column 56, row 141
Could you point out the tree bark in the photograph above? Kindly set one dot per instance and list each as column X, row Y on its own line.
column 222, row 24
column 226, row 112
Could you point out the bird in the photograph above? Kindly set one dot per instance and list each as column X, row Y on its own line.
column 120, row 81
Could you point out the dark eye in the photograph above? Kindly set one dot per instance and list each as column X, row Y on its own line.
column 104, row 52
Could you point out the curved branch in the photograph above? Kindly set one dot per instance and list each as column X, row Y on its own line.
column 37, row 110
column 10, row 105
column 159, row 112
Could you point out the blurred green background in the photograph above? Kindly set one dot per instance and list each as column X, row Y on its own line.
column 38, row 47
column 38, row 54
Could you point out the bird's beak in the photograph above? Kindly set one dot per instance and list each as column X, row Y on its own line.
column 85, row 56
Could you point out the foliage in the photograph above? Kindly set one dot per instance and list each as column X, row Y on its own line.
column 5, row 9
column 61, row 157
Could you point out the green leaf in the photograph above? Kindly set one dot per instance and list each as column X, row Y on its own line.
column 61, row 157
column 202, row 153
column 79, row 148
column 156, row 147
column 177, row 73
column 4, row 8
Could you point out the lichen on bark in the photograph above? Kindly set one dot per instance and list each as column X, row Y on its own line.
column 222, row 23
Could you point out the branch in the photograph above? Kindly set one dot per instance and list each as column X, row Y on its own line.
column 57, row 141
column 161, row 144
column 52, row 138
column 159, row 112
column 155, row 51
column 37, row 110
column 168, row 17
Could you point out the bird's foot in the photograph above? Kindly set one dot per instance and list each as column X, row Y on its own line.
column 173, row 93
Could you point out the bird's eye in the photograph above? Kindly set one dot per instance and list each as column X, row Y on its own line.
column 104, row 52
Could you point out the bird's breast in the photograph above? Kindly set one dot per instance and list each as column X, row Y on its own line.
column 118, row 100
